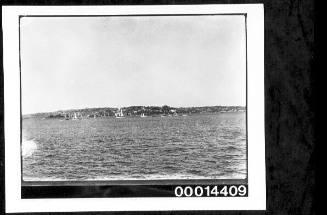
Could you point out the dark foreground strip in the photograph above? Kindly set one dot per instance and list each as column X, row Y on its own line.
column 119, row 191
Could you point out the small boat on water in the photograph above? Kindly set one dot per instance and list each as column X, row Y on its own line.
column 142, row 115
column 119, row 113
column 75, row 116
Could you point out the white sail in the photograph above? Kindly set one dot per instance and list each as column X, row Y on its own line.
column 119, row 113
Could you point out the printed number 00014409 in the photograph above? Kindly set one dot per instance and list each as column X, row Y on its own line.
column 211, row 191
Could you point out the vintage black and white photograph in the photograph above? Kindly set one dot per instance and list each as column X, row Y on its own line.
column 157, row 104
column 133, row 97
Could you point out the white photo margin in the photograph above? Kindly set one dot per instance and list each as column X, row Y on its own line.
column 256, row 199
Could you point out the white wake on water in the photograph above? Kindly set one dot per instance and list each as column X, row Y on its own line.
column 28, row 147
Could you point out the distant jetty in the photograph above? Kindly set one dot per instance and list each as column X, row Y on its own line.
column 134, row 111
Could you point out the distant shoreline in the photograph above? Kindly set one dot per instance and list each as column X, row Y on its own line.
column 132, row 111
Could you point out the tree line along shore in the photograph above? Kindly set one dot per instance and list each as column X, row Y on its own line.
column 134, row 111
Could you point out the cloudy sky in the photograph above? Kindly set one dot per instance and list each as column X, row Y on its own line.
column 80, row 62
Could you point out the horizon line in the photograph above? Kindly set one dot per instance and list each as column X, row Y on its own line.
column 133, row 106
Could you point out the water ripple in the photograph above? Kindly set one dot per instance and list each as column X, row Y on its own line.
column 198, row 146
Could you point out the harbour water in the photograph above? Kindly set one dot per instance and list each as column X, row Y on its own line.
column 201, row 146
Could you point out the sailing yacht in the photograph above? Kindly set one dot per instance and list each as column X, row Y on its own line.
column 119, row 113
column 75, row 116
column 142, row 115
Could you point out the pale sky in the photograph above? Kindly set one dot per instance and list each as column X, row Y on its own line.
column 181, row 61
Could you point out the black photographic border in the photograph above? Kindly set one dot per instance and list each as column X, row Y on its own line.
column 121, row 188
